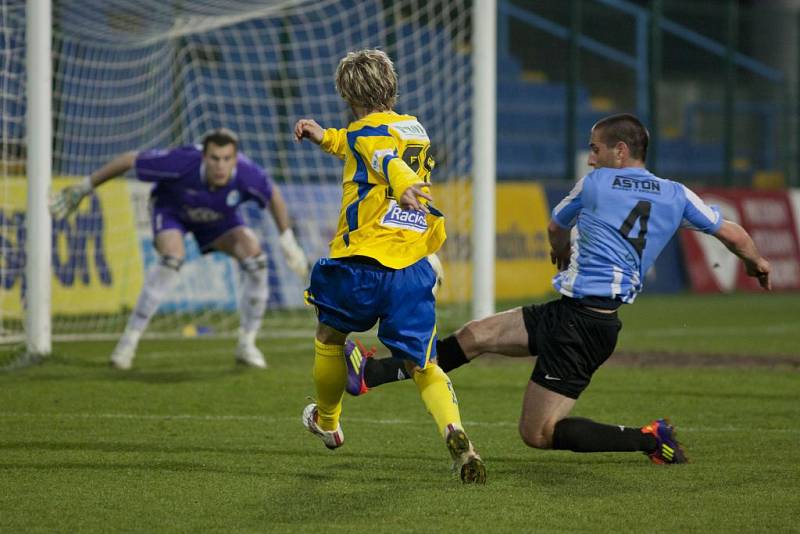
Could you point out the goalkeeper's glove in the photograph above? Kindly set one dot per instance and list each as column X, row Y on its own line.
column 68, row 199
column 295, row 257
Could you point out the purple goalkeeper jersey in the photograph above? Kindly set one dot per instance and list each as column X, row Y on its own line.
column 182, row 200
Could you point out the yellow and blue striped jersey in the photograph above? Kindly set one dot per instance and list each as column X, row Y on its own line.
column 384, row 153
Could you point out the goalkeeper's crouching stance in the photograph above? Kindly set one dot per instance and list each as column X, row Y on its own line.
column 377, row 269
column 198, row 189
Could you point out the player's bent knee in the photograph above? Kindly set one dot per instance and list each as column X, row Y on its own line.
column 171, row 262
column 538, row 438
column 255, row 277
column 254, row 264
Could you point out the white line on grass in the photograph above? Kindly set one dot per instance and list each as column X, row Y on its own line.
column 269, row 419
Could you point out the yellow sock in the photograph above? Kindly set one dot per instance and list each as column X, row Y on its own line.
column 438, row 395
column 330, row 377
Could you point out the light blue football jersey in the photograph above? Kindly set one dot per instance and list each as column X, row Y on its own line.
column 623, row 219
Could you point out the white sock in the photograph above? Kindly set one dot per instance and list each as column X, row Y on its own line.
column 247, row 338
column 159, row 281
column 130, row 338
column 253, row 300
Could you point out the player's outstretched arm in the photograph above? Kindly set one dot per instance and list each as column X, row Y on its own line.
column 295, row 257
column 308, row 129
column 332, row 141
column 740, row 243
column 68, row 199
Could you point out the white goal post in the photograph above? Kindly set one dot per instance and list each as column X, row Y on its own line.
column 484, row 54
column 137, row 74
column 39, row 168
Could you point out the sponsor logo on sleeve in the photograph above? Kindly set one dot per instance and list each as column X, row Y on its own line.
column 377, row 158
column 396, row 217
column 409, row 130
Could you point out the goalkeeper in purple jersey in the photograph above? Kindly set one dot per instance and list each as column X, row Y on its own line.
column 604, row 236
column 198, row 189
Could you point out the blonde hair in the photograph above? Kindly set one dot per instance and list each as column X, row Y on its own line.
column 367, row 79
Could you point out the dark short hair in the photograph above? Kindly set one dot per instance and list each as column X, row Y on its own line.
column 220, row 137
column 626, row 128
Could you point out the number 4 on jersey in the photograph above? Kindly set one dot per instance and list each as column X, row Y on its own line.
column 640, row 212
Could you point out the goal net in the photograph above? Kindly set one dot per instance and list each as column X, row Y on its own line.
column 138, row 74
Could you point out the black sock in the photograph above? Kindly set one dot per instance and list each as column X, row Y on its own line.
column 449, row 353
column 383, row 370
column 584, row 435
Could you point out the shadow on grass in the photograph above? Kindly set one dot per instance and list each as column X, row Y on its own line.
column 154, row 376
column 124, row 467
column 637, row 392
column 148, row 377
column 357, row 457
column 60, row 368
column 338, row 477
column 285, row 464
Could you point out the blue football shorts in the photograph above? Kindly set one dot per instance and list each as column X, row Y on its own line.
column 351, row 295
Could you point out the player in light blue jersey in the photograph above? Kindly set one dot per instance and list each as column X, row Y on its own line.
column 604, row 236
column 198, row 189
column 623, row 218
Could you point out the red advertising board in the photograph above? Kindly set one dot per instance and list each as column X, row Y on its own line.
column 768, row 217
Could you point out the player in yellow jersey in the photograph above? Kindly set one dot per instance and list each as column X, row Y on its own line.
column 377, row 269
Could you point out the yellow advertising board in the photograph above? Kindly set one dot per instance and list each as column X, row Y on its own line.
column 522, row 260
column 97, row 264
column 98, row 267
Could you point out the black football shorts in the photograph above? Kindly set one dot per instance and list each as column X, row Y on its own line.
column 571, row 342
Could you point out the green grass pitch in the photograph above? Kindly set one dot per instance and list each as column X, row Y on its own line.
column 188, row 442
